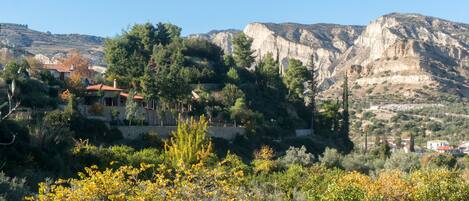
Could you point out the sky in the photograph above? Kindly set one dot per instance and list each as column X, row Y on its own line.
column 108, row 18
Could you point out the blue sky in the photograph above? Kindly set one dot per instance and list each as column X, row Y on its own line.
column 109, row 17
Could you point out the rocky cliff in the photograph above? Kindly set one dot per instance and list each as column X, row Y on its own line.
column 221, row 38
column 408, row 51
column 47, row 46
column 325, row 42
column 396, row 52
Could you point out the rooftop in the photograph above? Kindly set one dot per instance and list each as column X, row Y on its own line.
column 445, row 148
column 57, row 67
column 136, row 97
column 102, row 87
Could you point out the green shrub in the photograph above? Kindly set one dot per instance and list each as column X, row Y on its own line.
column 438, row 160
column 12, row 188
column 402, row 161
column 297, row 156
column 331, row 158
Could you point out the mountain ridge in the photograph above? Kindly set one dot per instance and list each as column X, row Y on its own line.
column 408, row 50
column 51, row 46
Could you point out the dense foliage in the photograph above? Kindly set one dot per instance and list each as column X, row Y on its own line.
column 51, row 151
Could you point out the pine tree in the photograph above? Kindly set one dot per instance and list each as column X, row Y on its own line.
column 149, row 86
column 242, row 53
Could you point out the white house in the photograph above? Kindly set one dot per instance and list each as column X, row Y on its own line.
column 464, row 147
column 434, row 144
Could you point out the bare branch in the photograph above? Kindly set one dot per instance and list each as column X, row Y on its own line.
column 10, row 111
column 9, row 143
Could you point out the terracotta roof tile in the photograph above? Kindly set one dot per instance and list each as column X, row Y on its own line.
column 136, row 97
column 57, row 67
column 445, row 148
column 101, row 87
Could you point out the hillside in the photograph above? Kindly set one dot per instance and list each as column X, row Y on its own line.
column 47, row 46
column 395, row 53
column 405, row 53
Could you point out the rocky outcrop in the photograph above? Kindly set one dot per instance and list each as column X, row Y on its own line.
column 50, row 46
column 324, row 42
column 409, row 49
column 222, row 38
column 405, row 50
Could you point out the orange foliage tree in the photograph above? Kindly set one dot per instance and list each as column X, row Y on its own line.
column 80, row 63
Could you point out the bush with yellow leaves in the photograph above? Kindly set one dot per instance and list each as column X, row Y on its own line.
column 263, row 160
column 230, row 179
column 195, row 183
column 189, row 143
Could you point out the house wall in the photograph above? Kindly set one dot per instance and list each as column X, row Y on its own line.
column 433, row 145
column 150, row 116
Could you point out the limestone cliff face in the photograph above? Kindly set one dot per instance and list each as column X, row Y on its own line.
column 222, row 38
column 409, row 49
column 325, row 42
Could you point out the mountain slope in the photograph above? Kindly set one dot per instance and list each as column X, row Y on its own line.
column 408, row 51
column 50, row 46
column 326, row 42
column 396, row 53
column 221, row 38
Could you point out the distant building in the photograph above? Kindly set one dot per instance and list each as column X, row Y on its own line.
column 464, row 147
column 59, row 71
column 108, row 95
column 434, row 144
column 445, row 149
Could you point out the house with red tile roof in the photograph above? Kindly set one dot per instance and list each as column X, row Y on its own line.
column 445, row 149
column 59, row 71
column 108, row 95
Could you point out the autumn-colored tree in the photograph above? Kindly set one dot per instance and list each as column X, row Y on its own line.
column 74, row 85
column 263, row 160
column 78, row 63
column 65, row 95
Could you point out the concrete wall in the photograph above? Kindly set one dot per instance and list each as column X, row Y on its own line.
column 134, row 132
column 302, row 132
column 150, row 116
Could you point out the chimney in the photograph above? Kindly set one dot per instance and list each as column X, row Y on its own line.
column 115, row 83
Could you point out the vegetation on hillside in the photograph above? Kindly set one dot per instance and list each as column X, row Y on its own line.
column 51, row 151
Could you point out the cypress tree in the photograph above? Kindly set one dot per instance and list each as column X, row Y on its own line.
column 411, row 143
column 345, row 129
column 312, row 92
column 345, row 107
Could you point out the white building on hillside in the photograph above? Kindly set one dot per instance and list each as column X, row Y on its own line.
column 434, row 144
column 464, row 147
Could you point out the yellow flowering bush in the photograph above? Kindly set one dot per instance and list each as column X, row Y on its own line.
column 263, row 162
column 125, row 183
column 439, row 184
column 189, row 143
column 392, row 185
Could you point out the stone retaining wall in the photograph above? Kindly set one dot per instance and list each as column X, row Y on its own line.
column 133, row 132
